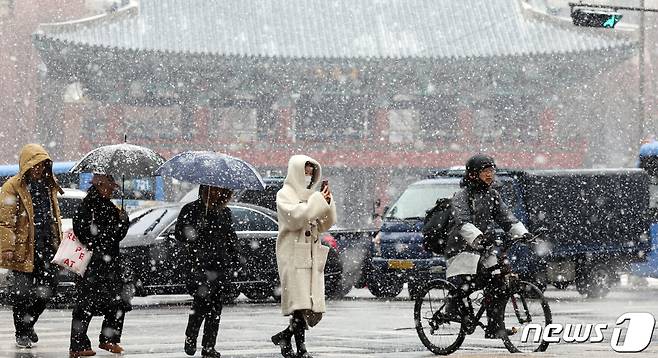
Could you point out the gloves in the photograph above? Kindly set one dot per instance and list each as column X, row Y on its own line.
column 528, row 237
column 483, row 241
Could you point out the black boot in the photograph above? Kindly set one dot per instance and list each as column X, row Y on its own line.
column 192, row 332
column 298, row 325
column 190, row 346
column 282, row 339
column 300, row 342
column 210, row 353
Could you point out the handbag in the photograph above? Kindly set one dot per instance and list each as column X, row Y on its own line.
column 72, row 254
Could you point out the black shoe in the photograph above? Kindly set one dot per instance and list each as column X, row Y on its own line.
column 23, row 342
column 33, row 335
column 282, row 339
column 210, row 353
column 495, row 334
column 190, row 346
column 304, row 355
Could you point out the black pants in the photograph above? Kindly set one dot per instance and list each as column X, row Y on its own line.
column 206, row 308
column 493, row 288
column 113, row 318
column 31, row 292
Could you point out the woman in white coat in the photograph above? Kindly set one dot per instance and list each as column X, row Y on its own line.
column 303, row 214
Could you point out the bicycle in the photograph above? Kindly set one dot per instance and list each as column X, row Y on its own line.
column 525, row 304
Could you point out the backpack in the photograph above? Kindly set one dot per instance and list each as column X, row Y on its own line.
column 437, row 225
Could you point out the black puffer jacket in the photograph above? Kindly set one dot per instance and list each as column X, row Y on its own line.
column 210, row 240
column 481, row 206
column 99, row 224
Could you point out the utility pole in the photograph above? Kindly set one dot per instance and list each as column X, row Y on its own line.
column 641, row 79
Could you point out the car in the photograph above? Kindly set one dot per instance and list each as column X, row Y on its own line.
column 68, row 204
column 154, row 257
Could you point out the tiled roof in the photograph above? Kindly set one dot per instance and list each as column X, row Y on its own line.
column 333, row 29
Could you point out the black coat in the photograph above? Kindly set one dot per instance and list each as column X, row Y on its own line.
column 99, row 225
column 481, row 206
column 210, row 242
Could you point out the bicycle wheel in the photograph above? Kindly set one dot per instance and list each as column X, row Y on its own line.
column 440, row 336
column 527, row 313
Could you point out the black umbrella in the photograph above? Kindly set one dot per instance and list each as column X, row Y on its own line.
column 124, row 160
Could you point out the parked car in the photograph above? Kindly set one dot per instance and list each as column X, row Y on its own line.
column 68, row 204
column 154, row 257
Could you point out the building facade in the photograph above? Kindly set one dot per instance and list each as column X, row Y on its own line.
column 379, row 94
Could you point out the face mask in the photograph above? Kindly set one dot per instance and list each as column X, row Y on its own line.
column 307, row 180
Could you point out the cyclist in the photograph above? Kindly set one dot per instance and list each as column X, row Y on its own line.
column 477, row 208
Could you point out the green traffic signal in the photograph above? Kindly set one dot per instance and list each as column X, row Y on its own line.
column 595, row 17
column 612, row 21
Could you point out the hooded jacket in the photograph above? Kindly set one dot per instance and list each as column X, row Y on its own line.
column 477, row 209
column 302, row 214
column 17, row 212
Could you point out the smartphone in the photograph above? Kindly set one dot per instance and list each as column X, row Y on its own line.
column 325, row 182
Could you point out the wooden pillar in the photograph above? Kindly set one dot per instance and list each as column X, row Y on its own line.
column 465, row 120
column 547, row 128
column 380, row 120
column 201, row 122
column 285, row 131
column 115, row 113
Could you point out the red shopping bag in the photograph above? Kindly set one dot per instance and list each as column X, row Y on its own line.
column 72, row 254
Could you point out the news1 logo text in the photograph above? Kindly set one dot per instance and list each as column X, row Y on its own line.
column 636, row 335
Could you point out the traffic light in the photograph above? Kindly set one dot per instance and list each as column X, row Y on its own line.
column 591, row 17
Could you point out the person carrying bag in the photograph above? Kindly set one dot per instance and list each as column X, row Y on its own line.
column 303, row 214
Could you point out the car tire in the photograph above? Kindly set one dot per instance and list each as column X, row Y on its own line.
column 562, row 285
column 386, row 286
column 595, row 281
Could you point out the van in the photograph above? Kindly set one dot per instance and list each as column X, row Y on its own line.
column 595, row 224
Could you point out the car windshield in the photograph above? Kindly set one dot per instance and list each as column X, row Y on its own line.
column 149, row 220
column 417, row 199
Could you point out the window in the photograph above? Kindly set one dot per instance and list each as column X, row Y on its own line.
column 325, row 117
column 153, row 123
column 251, row 220
column 403, row 126
column 438, row 119
column 151, row 220
column 233, row 124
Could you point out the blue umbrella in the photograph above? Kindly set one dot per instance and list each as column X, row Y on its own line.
column 214, row 169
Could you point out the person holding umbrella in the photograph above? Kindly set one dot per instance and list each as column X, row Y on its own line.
column 303, row 214
column 205, row 226
column 100, row 226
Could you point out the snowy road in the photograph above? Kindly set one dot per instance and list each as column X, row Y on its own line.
column 358, row 326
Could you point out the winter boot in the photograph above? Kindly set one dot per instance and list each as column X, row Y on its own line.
column 33, row 336
column 210, row 353
column 190, row 346
column 23, row 342
column 282, row 339
column 300, row 342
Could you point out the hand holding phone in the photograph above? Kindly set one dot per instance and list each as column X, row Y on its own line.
column 324, row 189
